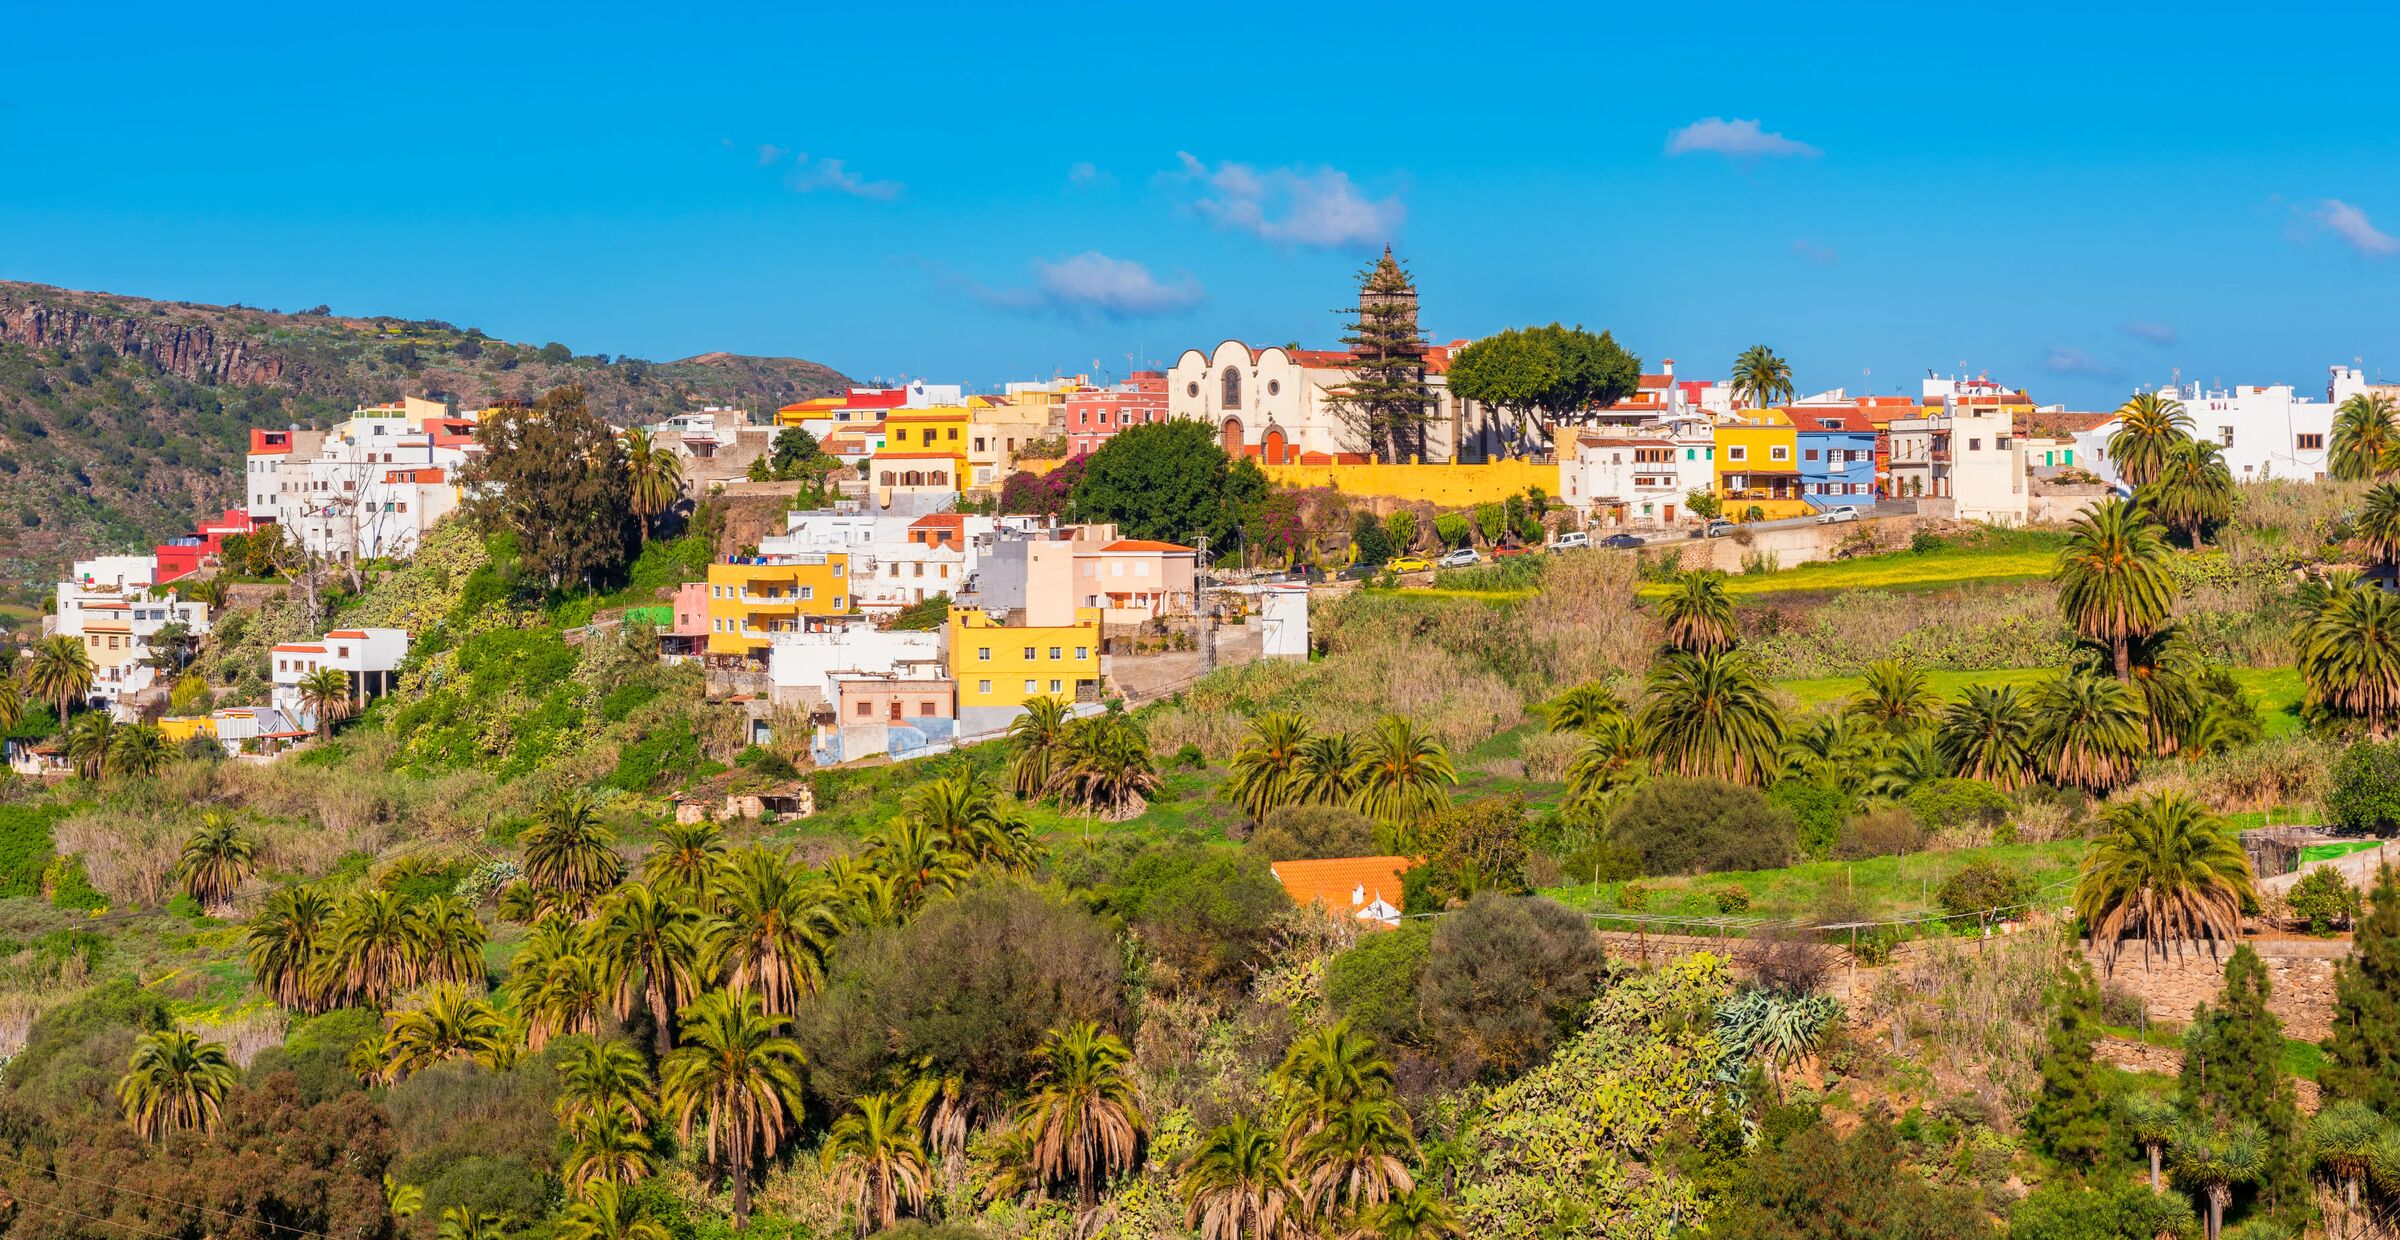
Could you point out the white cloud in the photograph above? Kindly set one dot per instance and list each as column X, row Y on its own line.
column 2355, row 230
column 1093, row 284
column 1315, row 207
column 832, row 174
column 2155, row 333
column 1814, row 252
column 2064, row 360
column 770, row 154
column 1742, row 140
column 1084, row 174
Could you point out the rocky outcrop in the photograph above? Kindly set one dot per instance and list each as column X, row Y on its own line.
column 190, row 350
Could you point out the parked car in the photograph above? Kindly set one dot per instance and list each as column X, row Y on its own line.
column 1501, row 552
column 1360, row 572
column 1714, row 529
column 1408, row 564
column 1624, row 540
column 1464, row 557
column 1571, row 540
column 1832, row 515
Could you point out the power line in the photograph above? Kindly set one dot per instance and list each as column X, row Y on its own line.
column 189, row 1205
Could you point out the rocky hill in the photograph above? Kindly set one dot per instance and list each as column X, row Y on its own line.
column 122, row 419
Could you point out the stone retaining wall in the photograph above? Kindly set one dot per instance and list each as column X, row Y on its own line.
column 2300, row 970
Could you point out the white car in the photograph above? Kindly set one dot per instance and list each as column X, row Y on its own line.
column 1464, row 557
column 1833, row 515
column 1571, row 540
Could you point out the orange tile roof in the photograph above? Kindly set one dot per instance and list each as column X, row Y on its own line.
column 1143, row 544
column 933, row 520
column 357, row 633
column 1334, row 881
column 896, row 456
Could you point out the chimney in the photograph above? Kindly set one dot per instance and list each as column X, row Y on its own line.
column 1670, row 372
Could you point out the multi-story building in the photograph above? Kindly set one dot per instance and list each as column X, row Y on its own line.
column 999, row 667
column 1638, row 475
column 182, row 557
column 752, row 598
column 114, row 608
column 1130, row 580
column 1966, row 464
column 369, row 658
column 1758, row 463
column 1094, row 416
column 2264, row 431
column 373, row 486
column 1837, row 455
column 999, row 429
column 277, row 468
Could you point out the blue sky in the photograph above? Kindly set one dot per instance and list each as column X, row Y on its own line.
column 2066, row 197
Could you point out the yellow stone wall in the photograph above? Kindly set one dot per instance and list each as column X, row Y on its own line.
column 1446, row 486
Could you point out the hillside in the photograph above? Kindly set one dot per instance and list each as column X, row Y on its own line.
column 123, row 418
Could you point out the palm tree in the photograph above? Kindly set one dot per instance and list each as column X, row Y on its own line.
column 1896, row 696
column 2152, row 1121
column 1613, row 757
column 174, row 1082
column 2148, row 427
column 2379, row 523
column 215, row 861
column 606, row 1212
column 1584, row 708
column 604, row 1078
column 1760, row 378
column 2089, row 731
column 325, row 696
column 565, row 997
column 1987, row 735
column 1236, row 1187
column 375, row 947
column 878, row 1163
column 953, row 805
column 656, row 476
column 2193, row 488
column 1083, row 1121
column 1357, row 1159
column 61, row 671
column 465, row 1223
column 1836, row 752
column 453, row 1024
column 1039, row 737
column 12, row 700
column 1698, row 614
column 1711, row 716
column 685, row 858
column 2112, row 577
column 89, row 742
column 1106, row 765
column 570, row 851
column 2342, row 1137
column 2218, row 1162
column 1417, row 1214
column 772, row 931
column 453, row 942
column 138, row 750
column 1329, row 1068
column 1906, row 764
column 1324, row 774
column 921, row 861
column 402, row 1200
column 287, row 941
column 608, row 1149
column 1266, row 770
column 2166, row 869
column 1402, row 778
column 651, row 945
column 736, row 1069
column 2366, row 438
column 2349, row 647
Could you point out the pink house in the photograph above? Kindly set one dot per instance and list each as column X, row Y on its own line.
column 1094, row 416
column 1136, row 579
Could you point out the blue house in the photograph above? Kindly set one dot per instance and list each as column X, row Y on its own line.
column 1837, row 457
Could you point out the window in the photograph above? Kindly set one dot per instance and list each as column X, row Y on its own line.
column 1054, row 686
column 865, row 708
column 1232, row 397
column 983, row 686
column 837, row 603
column 1054, row 652
column 1737, row 454
column 953, row 433
column 1809, row 455
column 1779, row 454
column 1029, row 654
column 925, row 709
column 806, row 593
column 983, row 654
column 2225, row 435
column 1083, row 652
column 1030, row 689
column 1974, row 444
column 2312, row 443
column 1191, row 389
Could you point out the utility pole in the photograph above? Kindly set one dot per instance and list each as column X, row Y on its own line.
column 1208, row 616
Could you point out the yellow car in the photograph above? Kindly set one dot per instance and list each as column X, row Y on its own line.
column 1408, row 564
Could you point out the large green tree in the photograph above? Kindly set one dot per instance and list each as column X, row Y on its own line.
column 554, row 475
column 2366, row 438
column 2165, row 870
column 2362, row 1054
column 2069, row 1119
column 2193, row 489
column 2112, row 577
column 1712, row 715
column 1760, row 378
column 1170, row 481
column 2234, row 1075
column 1386, row 405
column 2349, row 648
column 1544, row 377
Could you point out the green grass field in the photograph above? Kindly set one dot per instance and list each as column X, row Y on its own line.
column 2275, row 690
column 1877, row 887
column 2021, row 558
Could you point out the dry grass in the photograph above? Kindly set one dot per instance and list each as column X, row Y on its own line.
column 2279, row 520
column 1989, row 996
column 1546, row 755
column 244, row 1031
column 2278, row 771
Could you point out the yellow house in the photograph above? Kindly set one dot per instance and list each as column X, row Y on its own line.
column 998, row 429
column 1758, row 465
column 941, row 428
column 814, row 408
column 177, row 730
column 750, row 598
column 1000, row 667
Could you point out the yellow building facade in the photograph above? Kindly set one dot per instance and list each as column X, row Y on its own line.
column 999, row 668
column 1758, row 465
column 752, row 600
column 1447, row 486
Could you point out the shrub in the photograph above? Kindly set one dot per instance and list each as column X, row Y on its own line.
column 69, row 886
column 1475, row 847
column 75, row 1052
column 1633, row 897
column 1210, row 916
column 970, row 985
column 1888, row 831
column 1733, row 899
column 2323, row 899
column 1783, row 959
column 316, row 1051
column 1376, row 985
column 1311, row 832
column 477, row 1138
column 25, row 843
column 2365, row 796
column 1702, row 826
column 1983, row 887
column 1818, row 811
column 1505, row 977
column 1943, row 804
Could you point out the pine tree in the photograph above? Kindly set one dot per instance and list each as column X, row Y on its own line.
column 2233, row 1074
column 1386, row 405
column 554, row 475
column 2362, row 1056
column 2068, row 1120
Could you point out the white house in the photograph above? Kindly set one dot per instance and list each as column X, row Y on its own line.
column 800, row 663
column 1965, row 462
column 107, row 604
column 1637, row 475
column 370, row 658
column 1276, row 405
column 2264, row 431
column 372, row 486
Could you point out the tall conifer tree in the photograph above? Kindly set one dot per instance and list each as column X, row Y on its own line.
column 2069, row 1119
column 1386, row 405
column 2233, row 1074
column 2362, row 1055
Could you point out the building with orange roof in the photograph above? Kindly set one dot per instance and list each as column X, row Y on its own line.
column 1136, row 579
column 1365, row 888
column 369, row 659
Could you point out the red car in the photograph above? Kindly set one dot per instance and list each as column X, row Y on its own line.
column 1501, row 552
